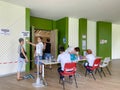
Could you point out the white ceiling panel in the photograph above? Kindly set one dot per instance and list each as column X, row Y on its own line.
column 96, row 10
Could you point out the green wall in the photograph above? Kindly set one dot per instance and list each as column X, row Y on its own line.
column 62, row 26
column 27, row 45
column 104, row 32
column 40, row 23
column 82, row 31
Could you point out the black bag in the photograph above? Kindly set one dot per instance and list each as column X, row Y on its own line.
column 21, row 55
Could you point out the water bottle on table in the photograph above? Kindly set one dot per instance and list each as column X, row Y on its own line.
column 50, row 59
column 47, row 59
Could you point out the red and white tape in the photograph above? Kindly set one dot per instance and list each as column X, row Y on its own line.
column 11, row 62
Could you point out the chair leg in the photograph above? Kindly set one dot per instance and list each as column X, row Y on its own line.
column 75, row 81
column 86, row 73
column 103, row 71
column 59, row 81
column 93, row 75
column 63, row 82
column 95, row 71
column 108, row 70
column 99, row 73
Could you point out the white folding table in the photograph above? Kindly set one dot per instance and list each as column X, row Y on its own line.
column 47, row 62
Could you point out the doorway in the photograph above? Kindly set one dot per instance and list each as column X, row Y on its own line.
column 45, row 34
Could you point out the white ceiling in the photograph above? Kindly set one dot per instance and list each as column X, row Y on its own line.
column 97, row 10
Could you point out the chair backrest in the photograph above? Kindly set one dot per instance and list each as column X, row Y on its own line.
column 70, row 67
column 106, row 61
column 96, row 64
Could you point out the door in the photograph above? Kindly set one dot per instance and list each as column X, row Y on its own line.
column 54, row 43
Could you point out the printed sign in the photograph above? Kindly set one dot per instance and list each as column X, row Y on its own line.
column 4, row 31
column 84, row 36
column 84, row 45
column 64, row 40
column 103, row 41
column 25, row 34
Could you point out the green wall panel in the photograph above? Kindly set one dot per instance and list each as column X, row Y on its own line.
column 40, row 23
column 28, row 29
column 54, row 25
column 104, row 32
column 82, row 31
column 62, row 26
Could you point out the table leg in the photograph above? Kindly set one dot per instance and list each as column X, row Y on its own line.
column 77, row 72
column 43, row 75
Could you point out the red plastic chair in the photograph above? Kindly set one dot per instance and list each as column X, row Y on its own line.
column 95, row 68
column 69, row 70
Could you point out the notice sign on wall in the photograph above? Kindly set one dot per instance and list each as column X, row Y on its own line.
column 25, row 34
column 4, row 31
column 84, row 44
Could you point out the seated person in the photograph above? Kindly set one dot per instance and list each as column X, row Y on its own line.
column 63, row 58
column 74, row 53
column 90, row 58
column 77, row 49
column 66, row 57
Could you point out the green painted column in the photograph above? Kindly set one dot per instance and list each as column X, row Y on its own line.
column 104, row 39
column 28, row 29
column 82, row 34
column 62, row 26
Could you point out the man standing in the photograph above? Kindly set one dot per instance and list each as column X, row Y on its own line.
column 47, row 50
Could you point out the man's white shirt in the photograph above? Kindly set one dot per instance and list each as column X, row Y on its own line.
column 63, row 58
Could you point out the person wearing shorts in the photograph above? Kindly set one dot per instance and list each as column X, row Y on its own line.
column 37, row 58
column 38, row 53
column 47, row 50
column 21, row 60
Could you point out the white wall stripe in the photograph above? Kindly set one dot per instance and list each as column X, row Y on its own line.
column 115, row 41
column 73, row 27
column 91, row 36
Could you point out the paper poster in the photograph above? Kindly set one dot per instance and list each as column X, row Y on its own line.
column 4, row 31
column 103, row 41
column 64, row 40
column 83, row 44
column 84, row 36
column 84, row 53
column 25, row 34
